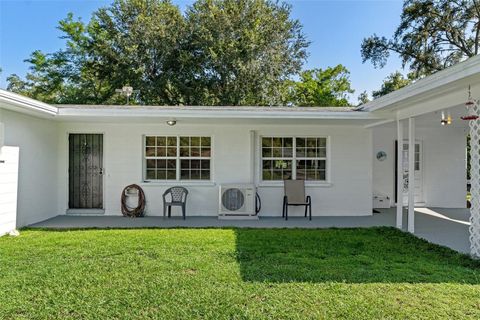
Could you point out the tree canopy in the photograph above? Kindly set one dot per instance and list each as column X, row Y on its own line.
column 229, row 52
column 321, row 87
column 393, row 82
column 432, row 35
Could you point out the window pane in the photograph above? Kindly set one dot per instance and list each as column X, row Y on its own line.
column 166, row 147
column 151, row 174
column 266, row 153
column 311, row 175
column 287, row 152
column 171, row 175
column 277, row 175
column 150, row 164
column 301, row 152
column 161, row 141
column 205, row 152
column 161, row 174
column 311, row 149
column 321, row 175
column 206, row 142
column 311, row 153
column 184, row 152
column 277, row 152
column 194, row 152
column 171, row 163
column 287, row 142
column 300, row 174
column 205, row 164
column 266, row 142
column 267, row 164
column 172, row 141
column 161, row 164
column 161, row 152
column 205, row 175
column 300, row 142
column 282, row 164
column 322, row 164
column 267, row 175
column 195, row 141
column 184, row 164
column 185, row 174
column 322, row 142
column 150, row 152
column 277, row 142
column 195, row 164
column 150, row 141
column 171, row 152
column 322, row 152
column 195, row 175
column 311, row 143
column 184, row 141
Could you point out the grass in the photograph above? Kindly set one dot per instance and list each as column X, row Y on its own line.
column 234, row 274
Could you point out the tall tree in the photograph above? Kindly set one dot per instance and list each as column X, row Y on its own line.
column 432, row 35
column 133, row 42
column 321, row 87
column 363, row 98
column 243, row 50
column 391, row 83
column 220, row 52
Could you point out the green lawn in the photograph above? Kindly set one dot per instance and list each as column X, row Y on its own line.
column 234, row 274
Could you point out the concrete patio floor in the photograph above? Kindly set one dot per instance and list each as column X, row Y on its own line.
column 447, row 227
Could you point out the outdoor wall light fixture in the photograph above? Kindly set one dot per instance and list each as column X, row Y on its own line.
column 172, row 122
column 446, row 120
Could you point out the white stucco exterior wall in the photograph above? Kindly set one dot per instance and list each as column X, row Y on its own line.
column 349, row 193
column 444, row 164
column 37, row 142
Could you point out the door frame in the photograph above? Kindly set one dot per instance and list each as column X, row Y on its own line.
column 422, row 170
column 67, row 175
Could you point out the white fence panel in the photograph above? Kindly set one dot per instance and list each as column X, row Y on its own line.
column 8, row 188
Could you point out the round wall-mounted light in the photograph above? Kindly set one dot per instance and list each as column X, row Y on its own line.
column 381, row 155
column 172, row 122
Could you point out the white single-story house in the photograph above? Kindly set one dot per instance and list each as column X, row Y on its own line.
column 77, row 159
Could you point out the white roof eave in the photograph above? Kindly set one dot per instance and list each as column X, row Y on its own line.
column 460, row 71
column 218, row 114
column 22, row 104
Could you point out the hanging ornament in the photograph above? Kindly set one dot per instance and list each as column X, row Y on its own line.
column 470, row 105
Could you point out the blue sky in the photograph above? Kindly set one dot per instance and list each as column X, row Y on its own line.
column 335, row 28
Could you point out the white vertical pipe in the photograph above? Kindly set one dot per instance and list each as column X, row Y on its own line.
column 399, row 174
column 411, row 175
column 252, row 156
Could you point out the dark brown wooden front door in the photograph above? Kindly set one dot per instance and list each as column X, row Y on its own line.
column 85, row 171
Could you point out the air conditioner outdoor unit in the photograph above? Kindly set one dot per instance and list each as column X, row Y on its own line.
column 237, row 201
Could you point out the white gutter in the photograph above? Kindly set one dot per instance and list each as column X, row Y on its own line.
column 13, row 101
column 210, row 113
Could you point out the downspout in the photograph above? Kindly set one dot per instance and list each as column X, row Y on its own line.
column 253, row 166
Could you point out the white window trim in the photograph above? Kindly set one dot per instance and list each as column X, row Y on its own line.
column 177, row 181
column 279, row 183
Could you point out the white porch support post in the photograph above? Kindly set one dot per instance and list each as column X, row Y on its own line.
column 399, row 174
column 474, row 228
column 411, row 175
